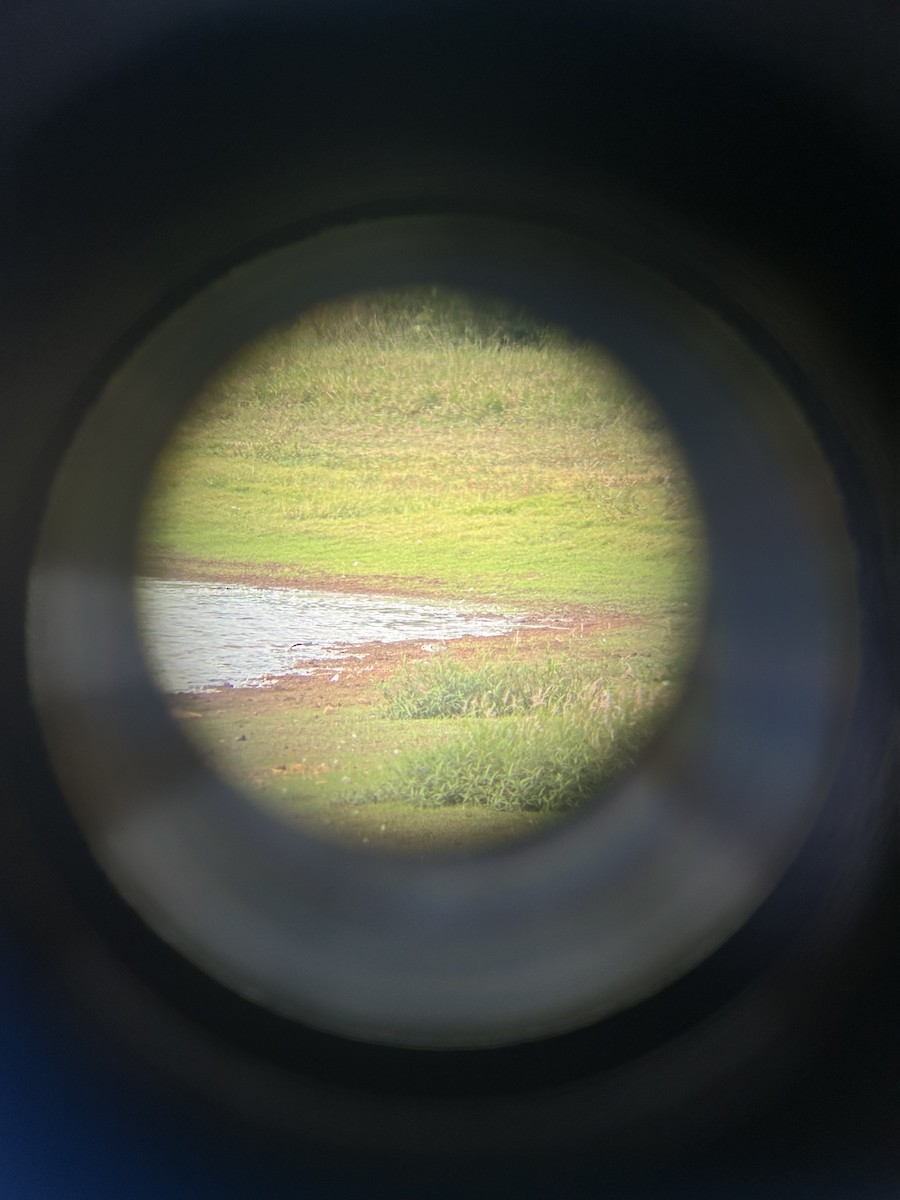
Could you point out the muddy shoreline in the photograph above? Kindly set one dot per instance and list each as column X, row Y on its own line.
column 353, row 681
column 416, row 588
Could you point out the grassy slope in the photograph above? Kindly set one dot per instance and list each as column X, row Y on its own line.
column 528, row 474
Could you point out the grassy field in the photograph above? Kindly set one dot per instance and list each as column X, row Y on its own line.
column 404, row 751
column 426, row 445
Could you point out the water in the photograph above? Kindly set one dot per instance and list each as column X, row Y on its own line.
column 199, row 636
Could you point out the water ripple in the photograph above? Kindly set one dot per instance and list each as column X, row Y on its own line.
column 199, row 636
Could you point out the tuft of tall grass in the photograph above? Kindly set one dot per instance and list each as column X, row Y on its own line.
column 544, row 737
column 539, row 762
column 492, row 688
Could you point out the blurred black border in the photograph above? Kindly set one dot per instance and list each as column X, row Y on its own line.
column 148, row 147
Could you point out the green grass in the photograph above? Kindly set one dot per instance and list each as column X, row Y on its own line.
column 523, row 732
column 342, row 774
column 491, row 688
column 539, row 762
column 363, row 773
column 531, row 472
column 546, row 736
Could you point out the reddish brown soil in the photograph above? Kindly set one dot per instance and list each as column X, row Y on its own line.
column 277, row 575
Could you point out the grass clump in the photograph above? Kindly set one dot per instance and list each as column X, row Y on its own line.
column 540, row 762
column 541, row 736
column 502, row 688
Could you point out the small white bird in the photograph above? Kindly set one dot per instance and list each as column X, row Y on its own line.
column 335, row 677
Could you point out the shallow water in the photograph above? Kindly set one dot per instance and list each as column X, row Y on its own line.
column 198, row 636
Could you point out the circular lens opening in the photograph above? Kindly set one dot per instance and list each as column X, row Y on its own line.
column 544, row 934
column 420, row 571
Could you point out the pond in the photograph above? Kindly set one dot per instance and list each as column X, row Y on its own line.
column 199, row 636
